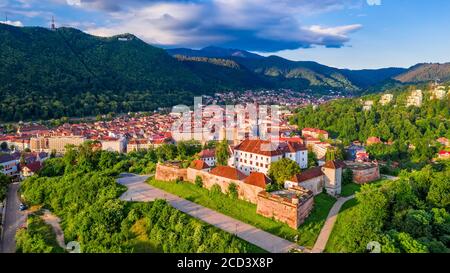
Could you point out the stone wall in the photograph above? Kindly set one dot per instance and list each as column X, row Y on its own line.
column 284, row 210
column 245, row 191
column 362, row 176
column 170, row 173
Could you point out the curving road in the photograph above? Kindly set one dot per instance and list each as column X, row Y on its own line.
column 139, row 190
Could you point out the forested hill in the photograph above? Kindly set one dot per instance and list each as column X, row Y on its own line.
column 49, row 74
column 70, row 60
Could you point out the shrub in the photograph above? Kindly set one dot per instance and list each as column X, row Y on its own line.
column 215, row 190
column 233, row 191
column 199, row 181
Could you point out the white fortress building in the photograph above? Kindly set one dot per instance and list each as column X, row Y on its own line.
column 257, row 155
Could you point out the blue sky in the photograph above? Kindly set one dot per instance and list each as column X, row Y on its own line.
column 341, row 33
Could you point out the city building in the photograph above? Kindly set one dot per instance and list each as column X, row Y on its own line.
column 367, row 106
column 320, row 149
column 208, row 156
column 30, row 169
column 314, row 133
column 138, row 145
column 386, row 99
column 113, row 144
column 415, row 99
column 9, row 165
column 57, row 143
column 438, row 93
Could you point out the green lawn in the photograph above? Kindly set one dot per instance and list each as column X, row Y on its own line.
column 246, row 212
column 350, row 189
column 309, row 231
column 333, row 245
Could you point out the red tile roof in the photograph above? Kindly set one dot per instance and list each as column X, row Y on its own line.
column 307, row 175
column 314, row 130
column 256, row 147
column 258, row 179
column 228, row 172
column 207, row 153
column 267, row 148
column 373, row 140
column 199, row 165
column 34, row 167
column 334, row 164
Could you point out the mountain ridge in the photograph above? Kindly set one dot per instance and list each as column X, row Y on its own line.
column 67, row 72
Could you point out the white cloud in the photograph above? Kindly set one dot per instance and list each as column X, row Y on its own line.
column 374, row 2
column 262, row 25
column 13, row 23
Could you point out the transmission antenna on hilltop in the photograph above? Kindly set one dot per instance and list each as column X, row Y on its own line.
column 53, row 23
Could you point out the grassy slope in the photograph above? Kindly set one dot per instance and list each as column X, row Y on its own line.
column 246, row 212
column 342, row 220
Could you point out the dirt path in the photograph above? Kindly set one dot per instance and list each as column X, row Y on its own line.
column 54, row 221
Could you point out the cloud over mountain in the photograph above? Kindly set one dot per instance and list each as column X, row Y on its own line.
column 259, row 25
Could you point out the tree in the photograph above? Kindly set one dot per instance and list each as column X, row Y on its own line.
column 4, row 182
column 22, row 160
column 347, row 176
column 233, row 190
column 366, row 219
column 222, row 153
column 312, row 159
column 282, row 170
column 330, row 155
column 439, row 194
column 4, row 146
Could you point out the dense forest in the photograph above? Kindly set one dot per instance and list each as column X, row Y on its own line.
column 81, row 189
column 412, row 131
column 410, row 215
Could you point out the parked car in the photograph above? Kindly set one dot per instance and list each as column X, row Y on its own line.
column 22, row 207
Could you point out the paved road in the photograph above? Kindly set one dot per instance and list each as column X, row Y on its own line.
column 138, row 190
column 327, row 228
column 13, row 220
